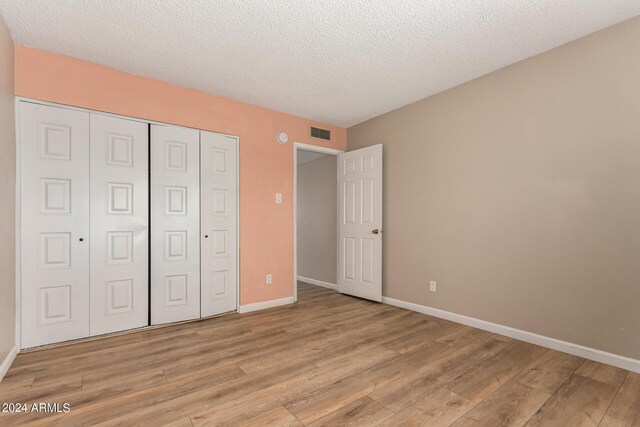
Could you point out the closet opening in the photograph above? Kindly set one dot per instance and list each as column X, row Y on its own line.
column 315, row 218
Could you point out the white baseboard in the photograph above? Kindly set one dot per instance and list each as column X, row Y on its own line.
column 552, row 343
column 318, row 283
column 6, row 363
column 265, row 304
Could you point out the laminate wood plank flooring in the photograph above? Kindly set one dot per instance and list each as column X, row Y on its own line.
column 328, row 360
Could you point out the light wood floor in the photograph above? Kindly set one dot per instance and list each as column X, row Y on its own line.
column 327, row 360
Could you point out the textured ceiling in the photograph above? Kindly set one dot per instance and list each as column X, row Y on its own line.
column 337, row 61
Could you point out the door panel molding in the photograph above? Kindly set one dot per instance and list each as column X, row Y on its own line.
column 53, row 198
column 54, row 215
column 175, row 224
column 219, row 223
column 119, row 176
column 360, row 222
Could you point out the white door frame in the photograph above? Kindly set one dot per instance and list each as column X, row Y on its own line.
column 18, row 236
column 18, row 225
column 318, row 149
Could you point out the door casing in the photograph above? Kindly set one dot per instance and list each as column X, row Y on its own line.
column 318, row 149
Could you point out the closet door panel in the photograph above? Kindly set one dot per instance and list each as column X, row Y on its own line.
column 218, row 185
column 54, row 218
column 119, row 224
column 175, row 224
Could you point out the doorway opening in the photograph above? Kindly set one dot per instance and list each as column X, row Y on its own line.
column 315, row 252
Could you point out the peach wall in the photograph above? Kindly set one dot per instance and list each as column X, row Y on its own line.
column 266, row 167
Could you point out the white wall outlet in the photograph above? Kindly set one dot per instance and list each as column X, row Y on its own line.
column 433, row 286
column 278, row 198
column 268, row 279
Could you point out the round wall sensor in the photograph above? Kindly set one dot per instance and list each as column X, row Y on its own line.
column 283, row 138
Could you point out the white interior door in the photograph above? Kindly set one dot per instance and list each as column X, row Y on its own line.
column 119, row 224
column 54, row 224
column 218, row 222
column 360, row 222
column 175, row 224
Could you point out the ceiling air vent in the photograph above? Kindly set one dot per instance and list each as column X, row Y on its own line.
column 320, row 133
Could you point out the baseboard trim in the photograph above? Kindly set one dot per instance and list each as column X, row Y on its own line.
column 530, row 337
column 265, row 304
column 318, row 283
column 6, row 363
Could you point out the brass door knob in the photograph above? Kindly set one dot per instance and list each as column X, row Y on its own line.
column 376, row 231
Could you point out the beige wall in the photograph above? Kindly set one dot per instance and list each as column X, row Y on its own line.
column 317, row 219
column 7, row 195
column 519, row 193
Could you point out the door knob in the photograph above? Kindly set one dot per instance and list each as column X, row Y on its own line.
column 206, row 236
column 81, row 239
column 376, row 231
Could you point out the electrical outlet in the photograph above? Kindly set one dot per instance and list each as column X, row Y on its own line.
column 278, row 198
column 433, row 286
column 268, row 279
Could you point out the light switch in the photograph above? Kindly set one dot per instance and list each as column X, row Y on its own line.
column 278, row 198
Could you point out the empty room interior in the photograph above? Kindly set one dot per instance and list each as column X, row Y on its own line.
column 326, row 213
column 316, row 189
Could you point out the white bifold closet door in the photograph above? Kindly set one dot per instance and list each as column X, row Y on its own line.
column 175, row 224
column 54, row 181
column 85, row 247
column 218, row 188
column 84, row 224
column 119, row 224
